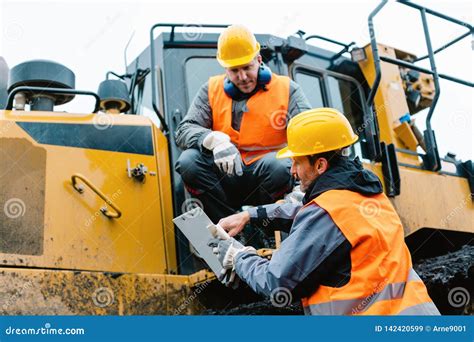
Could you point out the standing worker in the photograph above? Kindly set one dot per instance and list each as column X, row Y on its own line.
column 345, row 254
column 234, row 127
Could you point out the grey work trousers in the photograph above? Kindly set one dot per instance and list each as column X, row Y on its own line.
column 262, row 182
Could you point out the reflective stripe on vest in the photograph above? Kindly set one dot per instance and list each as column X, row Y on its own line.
column 263, row 126
column 362, row 305
column 382, row 279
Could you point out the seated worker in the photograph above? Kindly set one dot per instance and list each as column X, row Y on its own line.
column 346, row 253
column 234, row 127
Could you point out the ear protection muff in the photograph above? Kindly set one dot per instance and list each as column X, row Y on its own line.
column 231, row 90
column 264, row 77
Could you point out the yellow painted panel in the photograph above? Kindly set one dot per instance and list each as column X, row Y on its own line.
column 76, row 234
column 166, row 193
column 431, row 200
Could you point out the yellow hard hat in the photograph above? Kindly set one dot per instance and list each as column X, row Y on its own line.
column 316, row 131
column 236, row 46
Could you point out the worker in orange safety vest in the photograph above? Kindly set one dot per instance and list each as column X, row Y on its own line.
column 345, row 253
column 234, row 127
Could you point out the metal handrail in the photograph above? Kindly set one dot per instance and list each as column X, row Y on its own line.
column 445, row 46
column 314, row 36
column 431, row 159
column 375, row 53
column 340, row 53
column 99, row 193
column 409, row 65
column 43, row 90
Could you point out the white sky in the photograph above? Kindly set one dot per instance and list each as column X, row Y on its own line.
column 89, row 37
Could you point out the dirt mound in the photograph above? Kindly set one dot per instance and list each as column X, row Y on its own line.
column 264, row 307
column 450, row 280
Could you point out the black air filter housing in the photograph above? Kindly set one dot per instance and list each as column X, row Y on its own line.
column 114, row 94
column 45, row 74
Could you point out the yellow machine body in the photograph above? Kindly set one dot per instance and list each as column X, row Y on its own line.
column 86, row 226
column 59, row 253
column 428, row 199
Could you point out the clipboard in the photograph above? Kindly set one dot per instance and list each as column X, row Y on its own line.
column 193, row 224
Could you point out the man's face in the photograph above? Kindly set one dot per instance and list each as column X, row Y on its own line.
column 245, row 77
column 306, row 173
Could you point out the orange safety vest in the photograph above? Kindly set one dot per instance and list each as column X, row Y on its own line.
column 263, row 127
column 382, row 281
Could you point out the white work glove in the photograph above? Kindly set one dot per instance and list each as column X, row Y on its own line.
column 226, row 155
column 226, row 249
column 295, row 196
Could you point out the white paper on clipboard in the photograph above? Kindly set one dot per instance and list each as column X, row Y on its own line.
column 194, row 225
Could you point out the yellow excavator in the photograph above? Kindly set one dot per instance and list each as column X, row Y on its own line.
column 87, row 199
